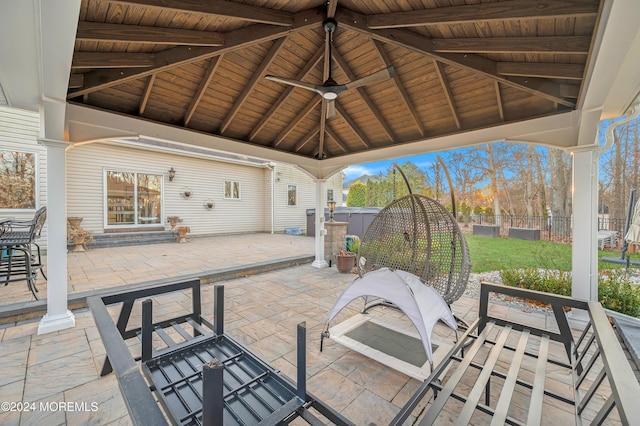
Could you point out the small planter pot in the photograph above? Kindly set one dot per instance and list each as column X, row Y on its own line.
column 182, row 232
column 345, row 262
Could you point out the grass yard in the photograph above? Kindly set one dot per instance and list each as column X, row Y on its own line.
column 496, row 254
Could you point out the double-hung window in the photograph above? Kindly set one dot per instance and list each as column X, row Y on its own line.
column 18, row 190
column 231, row 190
column 292, row 195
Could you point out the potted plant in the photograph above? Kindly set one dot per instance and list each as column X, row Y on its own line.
column 345, row 261
column 173, row 221
column 182, row 232
column 74, row 222
column 79, row 237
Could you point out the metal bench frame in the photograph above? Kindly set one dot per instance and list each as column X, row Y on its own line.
column 206, row 366
column 597, row 352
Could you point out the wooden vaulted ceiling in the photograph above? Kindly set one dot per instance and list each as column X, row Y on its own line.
column 460, row 65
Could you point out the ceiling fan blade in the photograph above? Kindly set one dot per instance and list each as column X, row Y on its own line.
column 376, row 77
column 331, row 108
column 296, row 83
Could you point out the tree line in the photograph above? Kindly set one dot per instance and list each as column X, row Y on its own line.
column 512, row 179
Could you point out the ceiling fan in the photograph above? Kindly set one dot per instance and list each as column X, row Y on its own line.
column 330, row 89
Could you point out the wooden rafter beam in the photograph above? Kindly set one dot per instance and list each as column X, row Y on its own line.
column 542, row 70
column 323, row 128
column 333, row 135
column 83, row 60
column 251, row 84
column 504, row 10
column 285, row 94
column 182, row 55
column 404, row 96
column 469, row 61
column 352, row 125
column 365, row 98
column 76, row 80
column 578, row 45
column 148, row 87
column 221, row 8
column 306, row 139
column 499, row 100
column 332, row 5
column 202, row 88
column 298, row 118
column 447, row 92
column 121, row 33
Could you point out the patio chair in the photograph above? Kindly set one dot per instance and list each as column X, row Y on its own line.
column 416, row 234
column 20, row 257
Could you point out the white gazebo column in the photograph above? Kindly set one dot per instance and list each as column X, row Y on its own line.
column 58, row 317
column 585, row 224
column 320, row 262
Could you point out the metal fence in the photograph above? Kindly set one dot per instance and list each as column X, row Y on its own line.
column 558, row 229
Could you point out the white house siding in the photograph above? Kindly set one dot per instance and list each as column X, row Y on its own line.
column 19, row 130
column 205, row 177
column 296, row 216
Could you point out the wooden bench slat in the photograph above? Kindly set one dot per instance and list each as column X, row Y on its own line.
column 537, row 393
column 502, row 408
column 483, row 378
column 444, row 395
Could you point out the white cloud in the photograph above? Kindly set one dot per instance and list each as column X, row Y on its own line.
column 359, row 170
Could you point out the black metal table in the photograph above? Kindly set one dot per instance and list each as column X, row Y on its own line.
column 200, row 375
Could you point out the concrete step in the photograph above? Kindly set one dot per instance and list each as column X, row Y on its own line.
column 122, row 239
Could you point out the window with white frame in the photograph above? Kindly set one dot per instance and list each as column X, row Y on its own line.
column 330, row 195
column 133, row 199
column 231, row 190
column 17, row 180
column 292, row 195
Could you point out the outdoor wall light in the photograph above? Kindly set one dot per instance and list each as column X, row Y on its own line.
column 186, row 193
column 172, row 174
column 209, row 204
column 332, row 208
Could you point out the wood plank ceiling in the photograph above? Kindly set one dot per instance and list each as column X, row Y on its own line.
column 459, row 65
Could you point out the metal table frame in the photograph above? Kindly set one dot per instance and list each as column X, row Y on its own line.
column 207, row 365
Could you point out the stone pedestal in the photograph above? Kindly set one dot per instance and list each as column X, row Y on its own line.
column 335, row 240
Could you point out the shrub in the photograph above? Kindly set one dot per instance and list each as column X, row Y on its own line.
column 557, row 282
column 615, row 290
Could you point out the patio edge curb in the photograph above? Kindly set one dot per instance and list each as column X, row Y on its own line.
column 24, row 311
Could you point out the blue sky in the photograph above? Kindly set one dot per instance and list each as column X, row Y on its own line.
column 423, row 161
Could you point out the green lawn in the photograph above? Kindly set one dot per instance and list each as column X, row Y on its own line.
column 494, row 254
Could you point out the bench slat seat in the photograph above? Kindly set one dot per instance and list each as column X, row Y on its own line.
column 516, row 368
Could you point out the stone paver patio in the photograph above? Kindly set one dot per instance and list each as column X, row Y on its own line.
column 57, row 374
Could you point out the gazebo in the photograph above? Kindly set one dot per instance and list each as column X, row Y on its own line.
column 351, row 82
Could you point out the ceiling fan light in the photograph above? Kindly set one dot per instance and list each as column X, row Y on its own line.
column 329, row 95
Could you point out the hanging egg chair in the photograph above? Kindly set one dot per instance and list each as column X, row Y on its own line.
column 418, row 235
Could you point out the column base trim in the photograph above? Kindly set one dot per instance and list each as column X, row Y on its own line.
column 49, row 324
column 320, row 264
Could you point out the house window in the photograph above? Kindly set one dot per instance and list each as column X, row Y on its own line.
column 133, row 199
column 330, row 195
column 292, row 195
column 231, row 190
column 17, row 180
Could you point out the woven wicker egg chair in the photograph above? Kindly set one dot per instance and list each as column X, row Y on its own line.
column 417, row 234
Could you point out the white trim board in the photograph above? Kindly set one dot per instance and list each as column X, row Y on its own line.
column 338, row 333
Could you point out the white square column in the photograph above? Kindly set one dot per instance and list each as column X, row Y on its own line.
column 58, row 317
column 320, row 262
column 584, row 255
